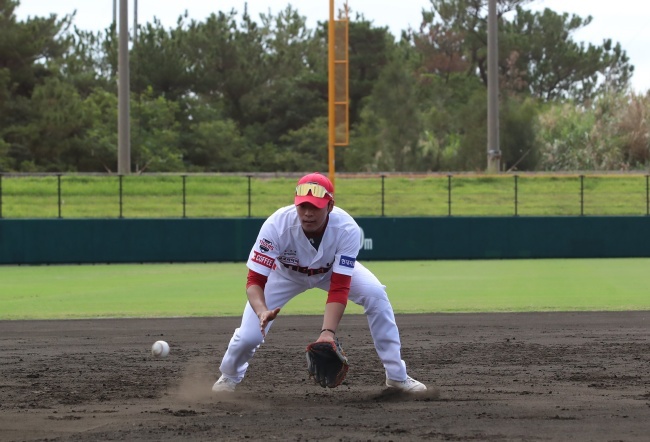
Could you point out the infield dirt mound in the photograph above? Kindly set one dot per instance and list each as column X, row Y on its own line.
column 528, row 377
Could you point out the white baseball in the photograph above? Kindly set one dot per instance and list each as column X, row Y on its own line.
column 160, row 349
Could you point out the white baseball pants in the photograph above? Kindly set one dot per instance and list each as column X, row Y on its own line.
column 365, row 290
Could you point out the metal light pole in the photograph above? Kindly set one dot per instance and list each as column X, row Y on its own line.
column 123, row 126
column 135, row 21
column 493, row 150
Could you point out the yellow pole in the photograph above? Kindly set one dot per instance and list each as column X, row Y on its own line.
column 330, row 77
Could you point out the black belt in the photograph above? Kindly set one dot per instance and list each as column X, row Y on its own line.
column 306, row 270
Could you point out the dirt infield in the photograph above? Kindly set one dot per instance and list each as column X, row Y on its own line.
column 529, row 377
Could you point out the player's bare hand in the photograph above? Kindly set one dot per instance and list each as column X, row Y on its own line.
column 325, row 336
column 265, row 317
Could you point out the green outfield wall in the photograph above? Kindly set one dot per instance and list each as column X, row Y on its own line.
column 69, row 241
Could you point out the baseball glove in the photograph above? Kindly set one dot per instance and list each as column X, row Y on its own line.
column 326, row 363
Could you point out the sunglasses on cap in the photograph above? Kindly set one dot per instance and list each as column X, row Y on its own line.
column 316, row 190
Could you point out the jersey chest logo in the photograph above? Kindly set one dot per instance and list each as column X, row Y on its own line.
column 289, row 257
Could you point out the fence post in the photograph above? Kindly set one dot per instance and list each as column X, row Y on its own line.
column 58, row 186
column 121, row 196
column 582, row 195
column 382, row 194
column 516, row 195
column 249, row 195
column 0, row 196
column 184, row 177
column 448, row 195
column 647, row 196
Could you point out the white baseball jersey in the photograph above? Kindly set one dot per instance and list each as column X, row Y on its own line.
column 283, row 246
column 284, row 254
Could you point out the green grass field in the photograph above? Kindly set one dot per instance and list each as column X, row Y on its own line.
column 98, row 196
column 185, row 290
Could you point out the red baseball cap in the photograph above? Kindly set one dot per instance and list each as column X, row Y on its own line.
column 315, row 189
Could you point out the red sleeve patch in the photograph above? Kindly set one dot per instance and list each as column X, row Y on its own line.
column 263, row 260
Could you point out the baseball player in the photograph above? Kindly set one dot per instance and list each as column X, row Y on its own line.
column 312, row 244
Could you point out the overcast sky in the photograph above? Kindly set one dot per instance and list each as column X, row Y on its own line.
column 624, row 21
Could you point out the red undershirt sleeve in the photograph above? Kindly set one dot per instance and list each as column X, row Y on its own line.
column 339, row 288
column 255, row 278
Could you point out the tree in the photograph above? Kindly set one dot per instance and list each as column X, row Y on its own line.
column 91, row 61
column 155, row 139
column 305, row 148
column 54, row 137
column 228, row 62
column 439, row 51
column 551, row 65
column 29, row 52
column 213, row 143
column 160, row 62
column 101, row 137
column 370, row 52
column 453, row 113
column 28, row 48
column 518, row 125
column 391, row 123
column 536, row 52
column 291, row 95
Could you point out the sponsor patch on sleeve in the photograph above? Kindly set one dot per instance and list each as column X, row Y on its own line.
column 347, row 261
column 263, row 260
column 266, row 245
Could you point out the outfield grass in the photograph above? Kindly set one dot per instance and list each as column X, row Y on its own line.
column 186, row 290
column 98, row 196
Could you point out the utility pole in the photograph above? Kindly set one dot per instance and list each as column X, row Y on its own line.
column 123, row 92
column 493, row 150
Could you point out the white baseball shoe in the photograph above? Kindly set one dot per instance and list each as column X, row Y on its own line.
column 224, row 385
column 410, row 385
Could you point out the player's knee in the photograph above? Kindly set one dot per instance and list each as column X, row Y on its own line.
column 247, row 341
column 373, row 301
column 375, row 293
